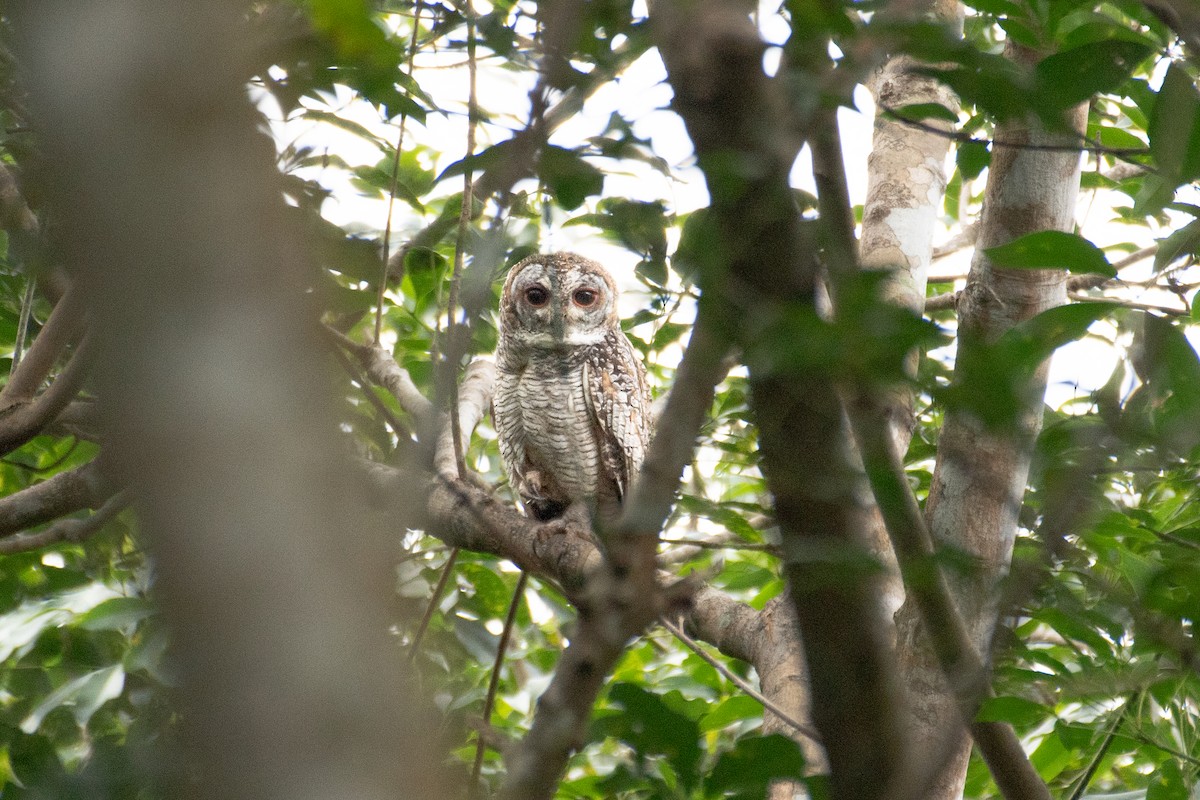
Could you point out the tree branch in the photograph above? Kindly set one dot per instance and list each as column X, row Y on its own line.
column 63, row 328
column 765, row 267
column 66, row 530
column 1075, row 283
column 66, row 492
column 474, row 402
column 22, row 420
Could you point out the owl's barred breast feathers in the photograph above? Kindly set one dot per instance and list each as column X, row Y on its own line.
column 572, row 403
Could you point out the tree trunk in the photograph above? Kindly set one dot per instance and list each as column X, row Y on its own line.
column 216, row 409
column 979, row 478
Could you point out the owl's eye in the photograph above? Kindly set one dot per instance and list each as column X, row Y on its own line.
column 536, row 296
column 584, row 297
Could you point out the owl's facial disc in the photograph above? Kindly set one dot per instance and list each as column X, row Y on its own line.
column 560, row 307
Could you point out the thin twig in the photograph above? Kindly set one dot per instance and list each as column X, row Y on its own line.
column 387, row 228
column 23, row 323
column 434, row 598
column 1086, row 145
column 451, row 353
column 494, row 682
column 769, row 704
column 1109, row 735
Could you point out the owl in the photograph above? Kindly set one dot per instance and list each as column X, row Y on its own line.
column 571, row 406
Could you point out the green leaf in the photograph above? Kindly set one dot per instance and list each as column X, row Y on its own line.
column 1180, row 243
column 734, row 709
column 1174, row 131
column 568, row 177
column 116, row 614
column 1075, row 75
column 1051, row 250
column 1015, row 710
column 83, row 696
column 651, row 727
column 972, row 157
column 747, row 770
column 922, row 111
column 1167, row 783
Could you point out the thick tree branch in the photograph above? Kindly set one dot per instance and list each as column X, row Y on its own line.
column 474, row 402
column 383, row 370
column 62, row 329
column 66, row 530
column 980, row 475
column 22, row 420
column 767, row 269
column 65, row 493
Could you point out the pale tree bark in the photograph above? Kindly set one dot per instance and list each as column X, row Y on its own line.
column 216, row 411
column 980, row 474
column 906, row 179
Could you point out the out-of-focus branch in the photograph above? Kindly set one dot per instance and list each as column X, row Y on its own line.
column 22, row 420
column 209, row 379
column 768, row 270
column 66, row 492
column 1181, row 16
column 66, row 530
column 965, row 670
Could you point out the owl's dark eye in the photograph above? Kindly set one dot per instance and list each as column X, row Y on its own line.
column 536, row 296
column 584, row 297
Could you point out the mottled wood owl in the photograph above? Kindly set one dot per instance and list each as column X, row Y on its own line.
column 571, row 407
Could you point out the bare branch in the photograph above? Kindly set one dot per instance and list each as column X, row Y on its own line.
column 694, row 646
column 1076, row 283
column 383, row 370
column 23, row 420
column 62, row 329
column 66, row 492
column 66, row 530
column 474, row 402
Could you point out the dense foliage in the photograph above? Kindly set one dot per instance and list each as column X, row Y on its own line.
column 1095, row 659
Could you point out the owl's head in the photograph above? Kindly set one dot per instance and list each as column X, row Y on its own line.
column 558, row 300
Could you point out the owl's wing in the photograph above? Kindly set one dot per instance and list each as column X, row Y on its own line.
column 618, row 400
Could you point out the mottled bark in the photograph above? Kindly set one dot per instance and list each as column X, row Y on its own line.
column 906, row 179
column 980, row 475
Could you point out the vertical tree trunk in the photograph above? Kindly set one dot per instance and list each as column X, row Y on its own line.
column 209, row 370
column 906, row 180
column 979, row 479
